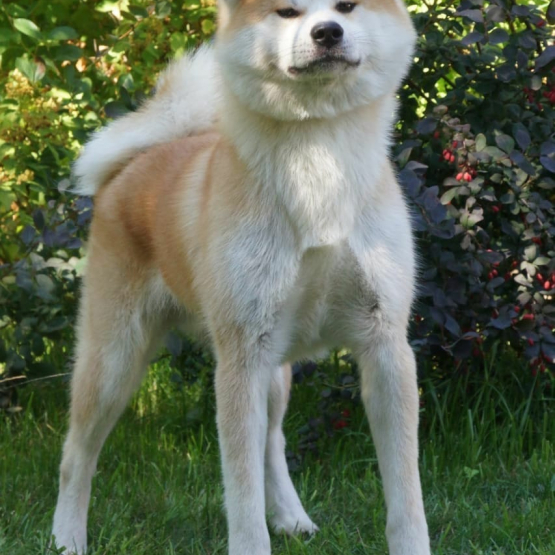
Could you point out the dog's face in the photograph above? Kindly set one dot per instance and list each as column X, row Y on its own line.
column 320, row 56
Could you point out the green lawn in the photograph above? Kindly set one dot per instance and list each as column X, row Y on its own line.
column 488, row 475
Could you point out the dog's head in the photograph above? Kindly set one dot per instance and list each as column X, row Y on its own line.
column 296, row 59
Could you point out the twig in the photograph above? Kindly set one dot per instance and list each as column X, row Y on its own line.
column 12, row 379
column 34, row 379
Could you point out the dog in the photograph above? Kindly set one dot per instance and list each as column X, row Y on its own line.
column 252, row 198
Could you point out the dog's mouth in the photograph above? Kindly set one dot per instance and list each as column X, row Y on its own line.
column 324, row 64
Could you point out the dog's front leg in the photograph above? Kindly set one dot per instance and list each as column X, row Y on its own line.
column 377, row 284
column 248, row 310
column 242, row 388
column 390, row 394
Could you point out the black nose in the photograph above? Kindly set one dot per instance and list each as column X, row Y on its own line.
column 327, row 34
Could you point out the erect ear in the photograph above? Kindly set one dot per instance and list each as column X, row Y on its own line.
column 227, row 4
column 225, row 8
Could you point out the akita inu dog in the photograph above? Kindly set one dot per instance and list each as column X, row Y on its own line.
column 253, row 196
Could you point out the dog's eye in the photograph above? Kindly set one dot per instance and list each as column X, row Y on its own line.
column 345, row 7
column 288, row 13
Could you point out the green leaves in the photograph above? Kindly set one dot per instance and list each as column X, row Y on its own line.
column 27, row 27
column 34, row 70
column 62, row 33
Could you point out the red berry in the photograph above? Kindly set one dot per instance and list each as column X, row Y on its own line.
column 537, row 240
column 340, row 424
column 346, row 413
column 467, row 176
column 437, row 135
column 547, row 285
column 539, row 277
column 495, row 273
column 528, row 317
column 455, row 144
column 490, row 276
column 517, row 309
column 540, row 23
column 496, row 209
column 452, row 158
column 530, row 342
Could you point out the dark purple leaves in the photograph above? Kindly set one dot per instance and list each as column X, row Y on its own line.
column 521, row 135
column 474, row 15
column 427, row 126
column 550, row 16
column 498, row 36
column 472, row 38
column 521, row 161
column 548, row 162
column 546, row 57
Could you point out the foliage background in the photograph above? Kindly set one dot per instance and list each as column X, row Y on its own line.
column 474, row 147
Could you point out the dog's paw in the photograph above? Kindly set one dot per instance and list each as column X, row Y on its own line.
column 58, row 546
column 293, row 524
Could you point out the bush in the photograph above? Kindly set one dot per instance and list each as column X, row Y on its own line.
column 475, row 150
column 479, row 170
column 65, row 67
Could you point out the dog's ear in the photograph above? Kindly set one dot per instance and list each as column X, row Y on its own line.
column 228, row 4
column 225, row 8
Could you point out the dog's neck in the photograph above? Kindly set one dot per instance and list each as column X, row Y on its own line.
column 322, row 170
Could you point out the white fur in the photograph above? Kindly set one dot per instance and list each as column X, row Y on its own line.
column 318, row 253
column 256, row 63
column 186, row 103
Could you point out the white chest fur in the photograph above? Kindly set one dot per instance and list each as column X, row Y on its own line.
column 321, row 172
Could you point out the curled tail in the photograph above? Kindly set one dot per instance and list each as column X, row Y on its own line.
column 185, row 104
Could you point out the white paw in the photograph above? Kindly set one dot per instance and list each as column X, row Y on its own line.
column 293, row 524
column 65, row 550
column 68, row 547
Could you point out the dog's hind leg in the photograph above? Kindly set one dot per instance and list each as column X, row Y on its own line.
column 113, row 348
column 282, row 502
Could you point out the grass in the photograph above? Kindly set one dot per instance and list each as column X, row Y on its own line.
column 487, row 464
